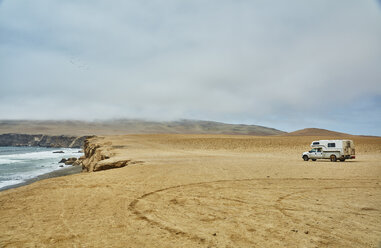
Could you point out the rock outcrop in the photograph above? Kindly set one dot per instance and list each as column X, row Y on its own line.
column 13, row 139
column 70, row 161
column 77, row 162
column 99, row 157
column 62, row 160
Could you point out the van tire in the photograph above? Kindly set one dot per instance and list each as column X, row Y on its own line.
column 333, row 158
column 305, row 158
column 342, row 159
column 313, row 159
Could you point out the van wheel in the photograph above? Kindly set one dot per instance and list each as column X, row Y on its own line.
column 333, row 158
column 313, row 159
column 305, row 158
column 342, row 159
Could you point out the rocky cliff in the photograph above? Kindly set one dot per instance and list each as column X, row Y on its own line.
column 100, row 157
column 12, row 139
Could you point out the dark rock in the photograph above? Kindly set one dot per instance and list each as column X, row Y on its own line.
column 59, row 152
column 70, row 161
column 62, row 160
column 61, row 165
column 306, row 232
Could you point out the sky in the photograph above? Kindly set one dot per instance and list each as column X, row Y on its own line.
column 283, row 64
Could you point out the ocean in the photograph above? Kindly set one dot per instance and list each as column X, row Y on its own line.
column 19, row 164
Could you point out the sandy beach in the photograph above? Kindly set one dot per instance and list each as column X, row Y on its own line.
column 190, row 124
column 203, row 191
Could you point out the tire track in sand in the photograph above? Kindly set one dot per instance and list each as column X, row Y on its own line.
column 279, row 206
column 172, row 230
column 282, row 209
column 73, row 236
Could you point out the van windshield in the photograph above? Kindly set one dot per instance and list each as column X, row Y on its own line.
column 316, row 150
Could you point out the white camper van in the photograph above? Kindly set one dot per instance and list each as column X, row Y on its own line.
column 331, row 149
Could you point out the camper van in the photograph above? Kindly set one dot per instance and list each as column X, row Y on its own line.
column 330, row 149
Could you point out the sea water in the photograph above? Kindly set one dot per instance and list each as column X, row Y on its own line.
column 18, row 164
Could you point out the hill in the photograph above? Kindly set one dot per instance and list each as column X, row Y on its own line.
column 130, row 126
column 316, row 132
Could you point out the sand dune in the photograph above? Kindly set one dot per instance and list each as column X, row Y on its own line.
column 203, row 191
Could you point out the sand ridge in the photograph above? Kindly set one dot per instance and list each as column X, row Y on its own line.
column 203, row 191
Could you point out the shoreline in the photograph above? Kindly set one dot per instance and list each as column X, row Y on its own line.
column 198, row 191
column 57, row 173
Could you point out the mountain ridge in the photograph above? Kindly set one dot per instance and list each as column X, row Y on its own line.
column 131, row 126
column 316, row 132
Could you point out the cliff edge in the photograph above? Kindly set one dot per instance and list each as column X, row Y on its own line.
column 99, row 157
column 14, row 139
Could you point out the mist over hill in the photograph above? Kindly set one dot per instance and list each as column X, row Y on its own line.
column 130, row 126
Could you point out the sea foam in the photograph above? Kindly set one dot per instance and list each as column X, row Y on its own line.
column 18, row 164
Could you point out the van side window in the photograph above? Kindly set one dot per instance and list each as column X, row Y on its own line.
column 315, row 143
column 331, row 145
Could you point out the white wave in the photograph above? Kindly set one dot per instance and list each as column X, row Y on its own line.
column 7, row 161
column 10, row 182
column 21, row 177
column 29, row 165
column 40, row 155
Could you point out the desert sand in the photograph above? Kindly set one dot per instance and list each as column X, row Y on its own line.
column 203, row 191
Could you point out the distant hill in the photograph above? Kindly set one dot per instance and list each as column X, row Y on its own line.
column 316, row 132
column 114, row 127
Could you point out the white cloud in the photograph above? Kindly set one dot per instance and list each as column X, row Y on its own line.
column 236, row 61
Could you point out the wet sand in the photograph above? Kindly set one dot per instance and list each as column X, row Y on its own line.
column 203, row 191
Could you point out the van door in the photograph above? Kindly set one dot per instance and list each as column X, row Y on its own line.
column 312, row 153
column 319, row 153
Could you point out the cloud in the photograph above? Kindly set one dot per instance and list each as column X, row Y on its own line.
column 267, row 62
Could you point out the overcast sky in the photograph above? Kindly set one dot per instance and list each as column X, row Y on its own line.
column 282, row 64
